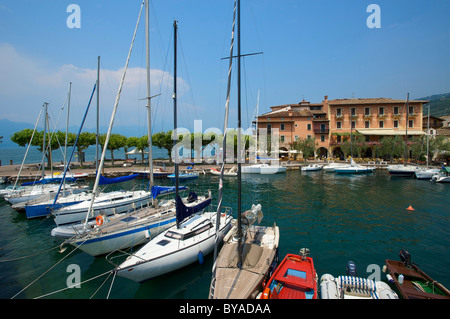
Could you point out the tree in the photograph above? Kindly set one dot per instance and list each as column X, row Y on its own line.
column 306, row 145
column 163, row 140
column 85, row 140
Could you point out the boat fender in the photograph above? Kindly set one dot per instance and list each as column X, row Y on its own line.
column 147, row 234
column 389, row 278
column 328, row 287
column 266, row 293
column 200, row 257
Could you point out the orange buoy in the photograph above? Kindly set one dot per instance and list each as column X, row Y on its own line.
column 410, row 208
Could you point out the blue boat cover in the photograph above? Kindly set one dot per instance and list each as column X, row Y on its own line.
column 159, row 190
column 105, row 180
column 183, row 211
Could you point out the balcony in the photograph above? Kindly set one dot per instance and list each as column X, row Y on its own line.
column 321, row 130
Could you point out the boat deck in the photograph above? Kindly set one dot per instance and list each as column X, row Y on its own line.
column 259, row 249
column 408, row 289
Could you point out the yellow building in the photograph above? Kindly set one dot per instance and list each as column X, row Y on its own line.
column 329, row 121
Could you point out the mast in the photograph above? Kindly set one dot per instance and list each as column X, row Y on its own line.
column 43, row 143
column 175, row 106
column 67, row 131
column 239, row 234
column 98, row 106
column 111, row 123
column 406, row 126
column 428, row 131
column 149, row 114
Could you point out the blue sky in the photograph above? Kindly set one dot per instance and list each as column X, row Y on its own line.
column 310, row 49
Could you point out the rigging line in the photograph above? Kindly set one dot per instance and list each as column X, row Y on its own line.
column 112, row 282
column 72, row 286
column 39, row 277
column 187, row 75
column 23, row 257
column 100, row 287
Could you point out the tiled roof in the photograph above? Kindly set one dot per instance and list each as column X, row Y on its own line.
column 371, row 101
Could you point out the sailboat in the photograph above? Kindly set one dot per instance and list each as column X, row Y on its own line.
column 248, row 249
column 141, row 224
column 189, row 240
column 404, row 170
column 427, row 173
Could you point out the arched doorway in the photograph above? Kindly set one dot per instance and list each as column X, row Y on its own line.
column 322, row 152
column 337, row 152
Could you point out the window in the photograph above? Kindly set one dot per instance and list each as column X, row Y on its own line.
column 308, row 127
column 410, row 123
column 411, row 110
column 339, row 125
column 338, row 139
column 322, row 138
column 269, row 126
column 381, row 111
column 296, row 138
column 338, row 112
column 308, row 136
column 282, row 138
column 395, row 110
column 367, row 111
column 381, row 124
column 367, row 124
column 295, row 125
column 396, row 124
column 282, row 127
column 353, row 124
column 353, row 111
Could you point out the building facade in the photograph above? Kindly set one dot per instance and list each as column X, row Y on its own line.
column 330, row 122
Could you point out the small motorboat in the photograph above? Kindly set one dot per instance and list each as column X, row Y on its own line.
column 294, row 278
column 311, row 167
column 227, row 172
column 443, row 176
column 426, row 173
column 402, row 170
column 353, row 287
column 411, row 281
column 184, row 176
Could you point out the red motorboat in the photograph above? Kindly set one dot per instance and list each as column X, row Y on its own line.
column 294, row 278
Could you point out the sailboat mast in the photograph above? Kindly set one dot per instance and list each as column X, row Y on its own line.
column 239, row 234
column 175, row 106
column 428, row 133
column 43, row 142
column 149, row 114
column 98, row 106
column 406, row 127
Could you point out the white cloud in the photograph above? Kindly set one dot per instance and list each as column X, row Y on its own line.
column 26, row 82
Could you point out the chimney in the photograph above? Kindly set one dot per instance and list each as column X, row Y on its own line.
column 326, row 98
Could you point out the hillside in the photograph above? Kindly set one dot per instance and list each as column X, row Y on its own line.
column 439, row 104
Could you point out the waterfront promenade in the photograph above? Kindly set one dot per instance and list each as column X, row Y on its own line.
column 123, row 167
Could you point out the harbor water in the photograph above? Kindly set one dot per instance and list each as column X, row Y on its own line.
column 362, row 218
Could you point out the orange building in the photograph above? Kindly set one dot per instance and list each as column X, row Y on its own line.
column 328, row 121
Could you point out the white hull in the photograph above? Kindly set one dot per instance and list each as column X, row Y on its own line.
column 402, row 170
column 332, row 166
column 107, row 204
column 311, row 167
column 165, row 254
column 228, row 172
column 349, row 287
column 35, row 192
column 124, row 238
column 262, row 169
column 426, row 173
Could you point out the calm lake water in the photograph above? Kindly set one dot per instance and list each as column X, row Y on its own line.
column 338, row 217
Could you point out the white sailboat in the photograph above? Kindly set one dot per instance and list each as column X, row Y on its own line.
column 248, row 250
column 190, row 239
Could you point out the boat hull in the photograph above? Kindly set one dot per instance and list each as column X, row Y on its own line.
column 165, row 257
column 76, row 213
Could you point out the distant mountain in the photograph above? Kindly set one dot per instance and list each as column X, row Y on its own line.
column 8, row 128
column 439, row 104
